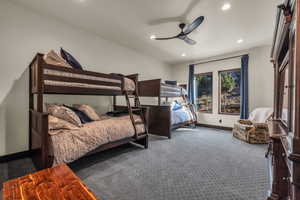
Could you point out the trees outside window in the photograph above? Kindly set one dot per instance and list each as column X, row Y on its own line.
column 204, row 89
column 229, row 91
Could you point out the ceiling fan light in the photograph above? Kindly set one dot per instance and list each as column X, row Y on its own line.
column 226, row 6
column 152, row 37
column 239, row 41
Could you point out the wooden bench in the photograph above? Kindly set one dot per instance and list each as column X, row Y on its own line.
column 57, row 183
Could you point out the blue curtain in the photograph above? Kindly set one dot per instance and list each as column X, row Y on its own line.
column 244, row 88
column 191, row 90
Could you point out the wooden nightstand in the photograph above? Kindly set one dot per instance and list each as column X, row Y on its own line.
column 57, row 183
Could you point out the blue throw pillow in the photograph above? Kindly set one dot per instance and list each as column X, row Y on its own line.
column 171, row 82
column 176, row 106
column 70, row 59
column 82, row 116
column 116, row 74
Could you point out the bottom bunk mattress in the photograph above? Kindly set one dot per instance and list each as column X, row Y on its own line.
column 181, row 115
column 69, row 145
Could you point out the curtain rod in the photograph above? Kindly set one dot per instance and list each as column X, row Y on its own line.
column 220, row 59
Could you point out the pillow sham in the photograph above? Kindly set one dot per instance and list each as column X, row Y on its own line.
column 52, row 58
column 55, row 123
column 63, row 113
column 81, row 115
column 70, row 59
column 88, row 110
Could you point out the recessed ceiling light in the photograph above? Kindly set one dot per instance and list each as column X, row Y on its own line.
column 152, row 37
column 81, row 1
column 183, row 55
column 226, row 6
column 239, row 41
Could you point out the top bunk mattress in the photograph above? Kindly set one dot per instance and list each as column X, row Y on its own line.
column 57, row 79
column 167, row 90
column 113, row 84
column 155, row 88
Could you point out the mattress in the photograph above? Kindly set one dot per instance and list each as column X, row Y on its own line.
column 129, row 85
column 69, row 145
column 168, row 90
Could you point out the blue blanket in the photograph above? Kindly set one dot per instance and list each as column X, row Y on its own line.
column 182, row 115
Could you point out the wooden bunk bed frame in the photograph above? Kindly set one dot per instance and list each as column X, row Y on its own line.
column 160, row 115
column 38, row 119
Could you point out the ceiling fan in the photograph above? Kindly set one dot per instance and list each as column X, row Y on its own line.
column 185, row 31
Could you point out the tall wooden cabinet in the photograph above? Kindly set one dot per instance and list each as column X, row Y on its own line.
column 284, row 149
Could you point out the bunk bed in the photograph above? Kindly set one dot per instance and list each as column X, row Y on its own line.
column 162, row 118
column 47, row 79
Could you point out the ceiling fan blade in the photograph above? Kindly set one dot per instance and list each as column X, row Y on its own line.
column 194, row 25
column 187, row 40
column 166, row 38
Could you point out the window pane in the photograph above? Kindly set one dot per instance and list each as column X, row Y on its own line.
column 230, row 92
column 204, row 84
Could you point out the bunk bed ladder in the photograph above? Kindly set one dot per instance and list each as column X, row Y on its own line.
column 136, row 108
column 185, row 99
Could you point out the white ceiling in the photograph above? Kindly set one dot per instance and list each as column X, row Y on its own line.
column 131, row 22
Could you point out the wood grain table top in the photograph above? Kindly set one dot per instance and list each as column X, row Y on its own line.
column 57, row 183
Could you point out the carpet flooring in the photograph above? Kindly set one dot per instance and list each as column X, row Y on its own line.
column 196, row 164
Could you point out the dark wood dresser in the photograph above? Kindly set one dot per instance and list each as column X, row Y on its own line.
column 284, row 149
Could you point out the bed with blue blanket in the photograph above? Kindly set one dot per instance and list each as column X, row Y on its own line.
column 181, row 115
column 166, row 116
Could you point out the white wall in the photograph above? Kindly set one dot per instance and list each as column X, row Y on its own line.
column 260, row 82
column 23, row 34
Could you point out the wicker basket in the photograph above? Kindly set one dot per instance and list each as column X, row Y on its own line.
column 253, row 133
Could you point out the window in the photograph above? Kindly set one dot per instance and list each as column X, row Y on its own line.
column 229, row 92
column 204, row 86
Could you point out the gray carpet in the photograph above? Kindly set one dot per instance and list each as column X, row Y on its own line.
column 195, row 164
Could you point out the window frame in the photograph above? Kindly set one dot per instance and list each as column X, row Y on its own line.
column 212, row 91
column 219, row 91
